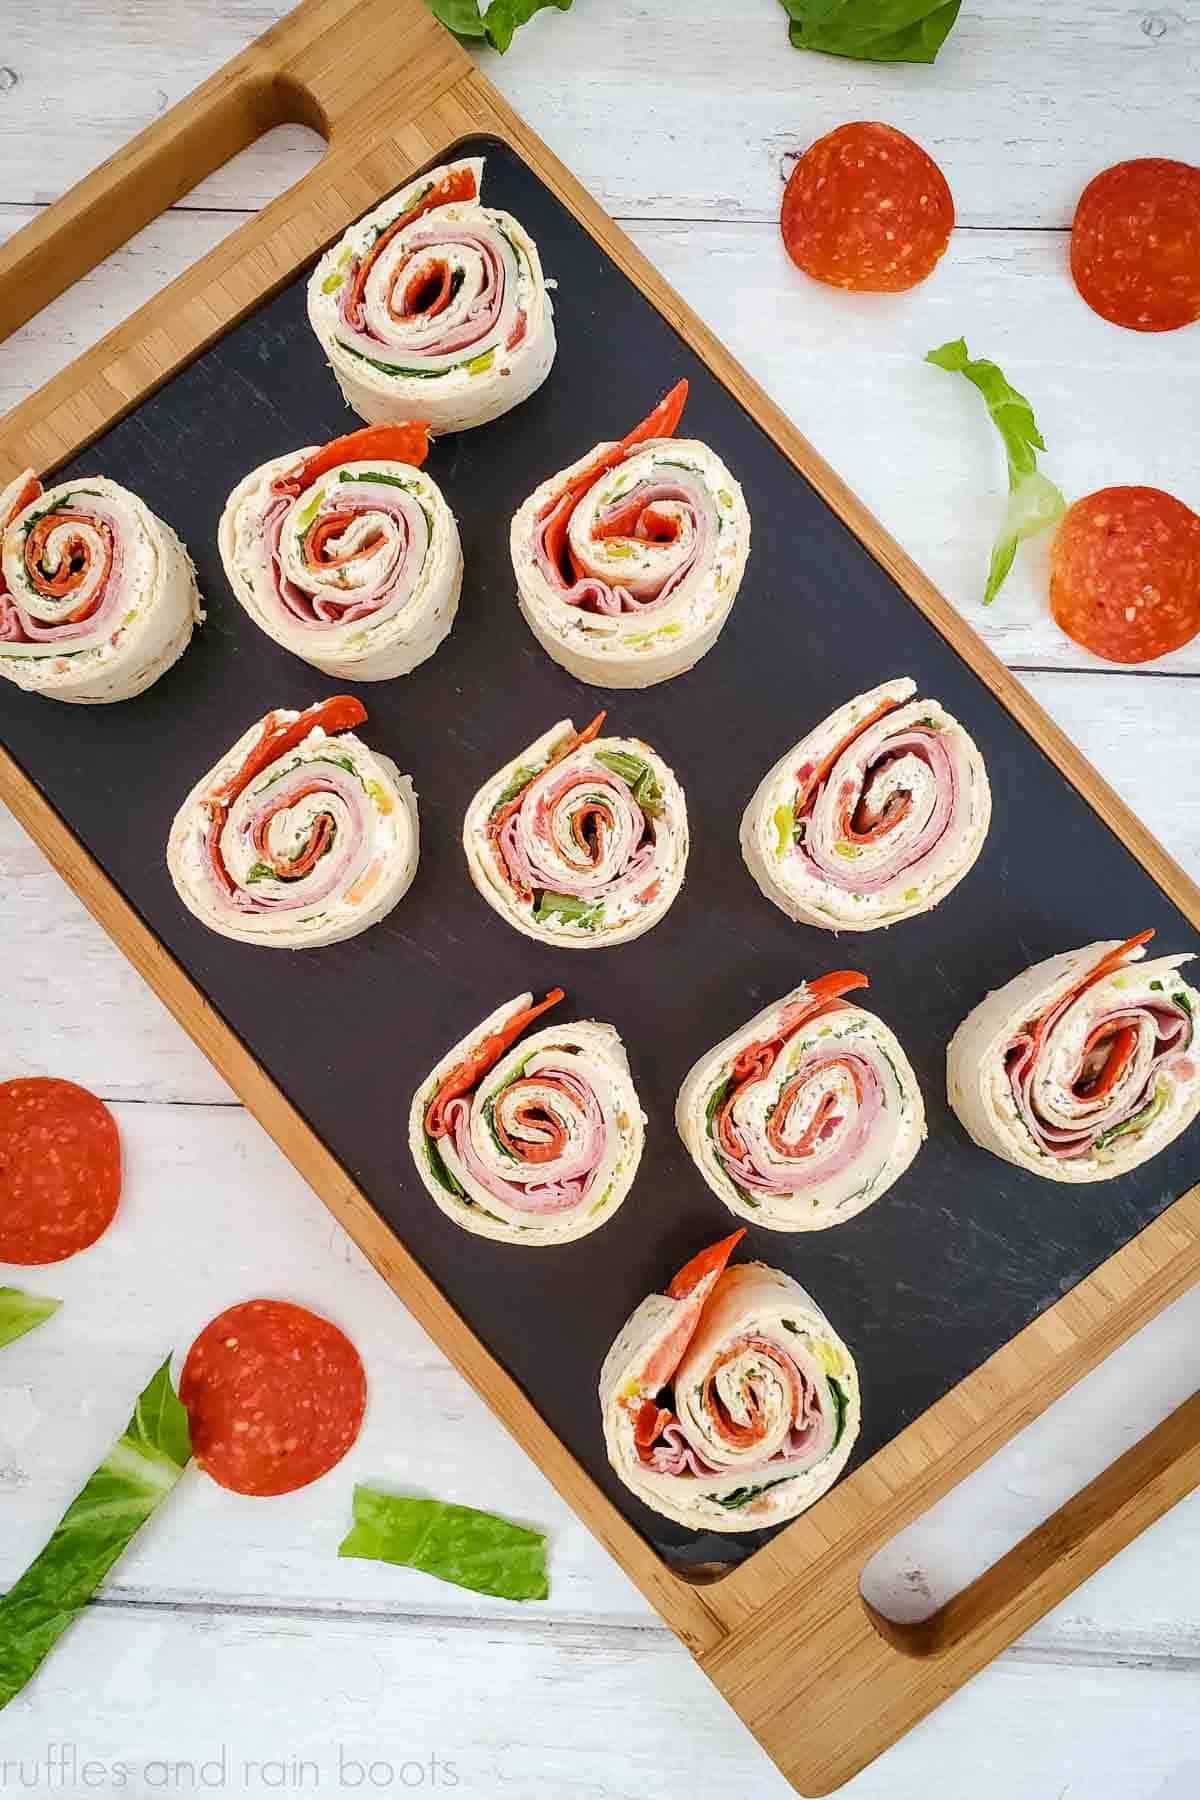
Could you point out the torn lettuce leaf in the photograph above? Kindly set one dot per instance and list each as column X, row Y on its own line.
column 1033, row 500
column 872, row 30
column 498, row 24
column 135, row 1477
column 476, row 1550
column 21, row 1312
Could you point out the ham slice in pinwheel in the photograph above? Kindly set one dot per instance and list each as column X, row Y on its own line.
column 299, row 836
column 97, row 596
column 347, row 555
column 873, row 817
column 807, row 1114
column 530, row 1139
column 581, row 840
column 628, row 562
column 729, row 1402
column 434, row 307
column 1083, row 1067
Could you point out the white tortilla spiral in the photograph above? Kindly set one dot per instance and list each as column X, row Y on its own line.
column 1084, row 1066
column 434, row 306
column 729, row 1403
column 580, row 841
column 652, row 559
column 98, row 596
column 529, row 1139
column 299, row 836
column 359, row 572
column 807, row 1114
column 873, row 817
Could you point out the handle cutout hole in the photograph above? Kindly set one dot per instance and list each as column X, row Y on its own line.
column 151, row 259
column 909, row 1582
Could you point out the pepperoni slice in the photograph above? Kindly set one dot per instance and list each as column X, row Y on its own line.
column 275, row 1397
column 60, row 1170
column 867, row 209
column 1125, row 573
column 1135, row 244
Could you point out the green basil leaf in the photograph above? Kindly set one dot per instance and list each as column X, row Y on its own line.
column 476, row 1550
column 461, row 16
column 135, row 1477
column 504, row 17
column 21, row 1312
column 497, row 24
column 1033, row 500
column 872, row 30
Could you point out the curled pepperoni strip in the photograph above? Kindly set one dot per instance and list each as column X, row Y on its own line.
column 1084, row 1066
column 729, row 1402
column 300, row 835
column 530, row 1139
column 275, row 1397
column 581, row 840
column 434, row 306
column 865, row 208
column 347, row 554
column 807, row 1114
column 97, row 596
column 1135, row 244
column 873, row 817
column 1125, row 574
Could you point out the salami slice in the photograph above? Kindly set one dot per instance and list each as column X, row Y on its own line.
column 1135, row 244
column 275, row 1397
column 1125, row 573
column 60, row 1170
column 867, row 209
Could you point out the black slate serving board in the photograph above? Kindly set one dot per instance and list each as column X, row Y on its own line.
column 965, row 1250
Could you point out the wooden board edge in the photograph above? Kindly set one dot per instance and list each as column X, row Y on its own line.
column 718, row 1621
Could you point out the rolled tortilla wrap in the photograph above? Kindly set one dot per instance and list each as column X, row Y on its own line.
column 628, row 562
column 299, row 836
column 434, row 306
column 808, row 1114
column 729, row 1402
column 529, row 1139
column 873, row 817
column 580, row 841
column 1083, row 1067
column 352, row 560
column 98, row 596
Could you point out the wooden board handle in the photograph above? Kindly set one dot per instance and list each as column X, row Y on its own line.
column 826, row 1682
column 1065, row 1549
column 309, row 69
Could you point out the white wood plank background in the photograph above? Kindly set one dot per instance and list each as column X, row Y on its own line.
column 232, row 1636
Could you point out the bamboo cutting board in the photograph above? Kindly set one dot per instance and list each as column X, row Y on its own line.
column 984, row 1341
